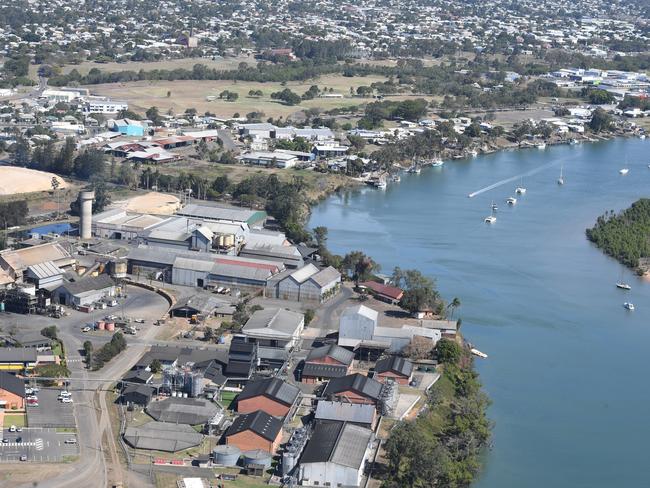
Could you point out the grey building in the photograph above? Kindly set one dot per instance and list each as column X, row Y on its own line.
column 222, row 213
column 31, row 339
column 288, row 255
column 357, row 324
column 44, row 275
column 335, row 455
column 276, row 331
column 361, row 414
column 85, row 291
column 307, row 284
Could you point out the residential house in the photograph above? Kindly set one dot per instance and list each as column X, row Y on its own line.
column 326, row 362
column 256, row 430
column 270, row 395
column 386, row 293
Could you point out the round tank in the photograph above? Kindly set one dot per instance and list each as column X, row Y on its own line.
column 110, row 326
column 226, row 455
column 174, row 393
column 184, row 395
column 288, row 461
column 101, row 325
column 258, row 456
column 230, row 240
column 220, row 240
column 86, row 208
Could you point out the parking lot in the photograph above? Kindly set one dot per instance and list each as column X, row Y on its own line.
column 38, row 445
column 50, row 411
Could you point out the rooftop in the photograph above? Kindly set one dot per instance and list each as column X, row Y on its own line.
column 273, row 388
column 274, row 322
column 259, row 422
column 340, row 443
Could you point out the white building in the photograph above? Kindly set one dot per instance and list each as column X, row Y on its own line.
column 269, row 158
column 102, row 105
column 57, row 96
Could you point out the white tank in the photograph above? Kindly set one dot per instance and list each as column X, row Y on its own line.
column 86, row 211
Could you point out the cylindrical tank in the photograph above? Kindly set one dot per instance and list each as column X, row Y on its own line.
column 184, row 395
column 174, row 393
column 2, row 306
column 258, row 456
column 110, row 326
column 196, row 386
column 229, row 241
column 86, row 209
column 101, row 325
column 226, row 455
column 220, row 240
column 288, row 461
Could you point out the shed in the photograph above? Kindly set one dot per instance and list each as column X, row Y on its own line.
column 394, row 368
column 355, row 388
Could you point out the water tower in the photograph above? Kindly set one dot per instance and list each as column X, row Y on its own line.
column 86, row 207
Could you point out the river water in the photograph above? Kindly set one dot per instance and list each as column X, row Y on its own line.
column 567, row 363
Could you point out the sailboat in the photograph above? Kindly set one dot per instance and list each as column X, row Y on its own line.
column 622, row 285
column 560, row 180
column 520, row 190
column 494, row 206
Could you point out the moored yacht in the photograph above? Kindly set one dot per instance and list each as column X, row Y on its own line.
column 628, row 305
column 624, row 171
column 623, row 286
column 490, row 220
column 511, row 201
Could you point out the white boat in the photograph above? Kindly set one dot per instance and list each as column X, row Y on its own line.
column 473, row 153
column 478, row 353
column 520, row 190
column 573, row 142
column 624, row 171
column 628, row 305
column 560, row 180
column 623, row 286
column 382, row 185
column 511, row 201
column 490, row 220
column 396, row 178
column 494, row 206
column 541, row 145
column 642, row 136
column 436, row 163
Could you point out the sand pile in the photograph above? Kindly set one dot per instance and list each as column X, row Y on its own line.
column 14, row 180
column 153, row 202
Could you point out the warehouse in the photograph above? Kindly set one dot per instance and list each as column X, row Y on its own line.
column 394, row 368
column 254, row 218
column 16, row 261
column 122, row 225
column 287, row 255
column 162, row 436
column 271, row 395
column 276, row 331
column 357, row 323
column 308, row 284
column 269, row 159
column 354, row 388
column 335, row 455
column 257, row 430
column 86, row 291
column 326, row 362
column 44, row 275
column 355, row 413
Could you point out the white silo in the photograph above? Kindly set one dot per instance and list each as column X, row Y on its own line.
column 86, row 209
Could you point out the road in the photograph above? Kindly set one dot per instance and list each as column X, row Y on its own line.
column 229, row 143
column 33, row 93
column 95, row 467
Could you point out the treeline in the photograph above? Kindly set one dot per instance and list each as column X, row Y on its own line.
column 442, row 446
column 376, row 112
column 13, row 213
column 624, row 236
column 108, row 351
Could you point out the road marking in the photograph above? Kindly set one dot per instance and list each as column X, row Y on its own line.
column 39, row 444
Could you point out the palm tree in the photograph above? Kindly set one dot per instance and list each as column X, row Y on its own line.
column 455, row 303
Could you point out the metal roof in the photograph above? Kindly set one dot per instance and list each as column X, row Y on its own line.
column 394, row 364
column 273, row 388
column 274, row 322
column 183, row 410
column 325, row 276
column 46, row 269
column 354, row 382
column 324, row 370
column 359, row 413
column 222, row 213
column 84, row 285
column 10, row 383
column 303, row 274
column 340, row 443
column 193, row 264
column 162, row 436
column 333, row 351
column 17, row 355
column 259, row 422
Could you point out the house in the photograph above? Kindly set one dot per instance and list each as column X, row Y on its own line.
column 394, row 368
column 307, row 284
column 276, row 331
column 86, row 291
column 137, row 395
column 362, row 414
column 12, row 392
column 357, row 323
column 269, row 159
column 128, row 127
column 140, row 376
column 326, row 362
column 354, row 388
column 256, row 430
column 386, row 293
column 271, row 395
column 335, row 455
column 17, row 358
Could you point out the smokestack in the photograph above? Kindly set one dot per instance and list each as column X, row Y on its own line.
column 86, row 204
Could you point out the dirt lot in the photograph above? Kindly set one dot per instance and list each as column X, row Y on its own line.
column 152, row 202
column 15, row 474
column 185, row 94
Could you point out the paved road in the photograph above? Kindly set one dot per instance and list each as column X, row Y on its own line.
column 229, row 143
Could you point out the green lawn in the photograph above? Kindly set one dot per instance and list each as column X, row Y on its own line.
column 57, row 350
column 17, row 419
column 227, row 398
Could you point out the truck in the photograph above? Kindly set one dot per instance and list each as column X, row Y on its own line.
column 85, row 308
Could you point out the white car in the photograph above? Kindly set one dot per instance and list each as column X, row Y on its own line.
column 13, row 428
column 71, row 440
column 86, row 329
column 66, row 400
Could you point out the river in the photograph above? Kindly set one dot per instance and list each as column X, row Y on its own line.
column 567, row 363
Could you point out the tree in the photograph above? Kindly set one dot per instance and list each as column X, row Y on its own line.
column 309, row 316
column 359, row 266
column 90, row 164
column 448, row 351
column 419, row 291
column 208, row 334
column 454, row 305
column 221, row 184
column 50, row 332
column 419, row 348
column 601, row 121
column 155, row 366
column 153, row 115
column 22, row 152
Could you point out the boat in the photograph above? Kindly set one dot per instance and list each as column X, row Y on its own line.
column 494, row 206
column 560, row 180
column 436, row 163
column 520, row 190
column 396, row 178
column 478, row 353
column 541, row 145
column 381, row 184
column 642, row 136
column 511, row 201
column 473, row 153
column 623, row 286
column 628, row 305
column 573, row 142
column 490, row 220
column 414, row 169
column 624, row 171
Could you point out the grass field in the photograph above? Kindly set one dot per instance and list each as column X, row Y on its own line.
column 17, row 419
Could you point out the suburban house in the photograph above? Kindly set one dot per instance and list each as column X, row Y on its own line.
column 276, row 331
column 394, row 368
column 386, row 293
column 86, row 291
column 257, row 430
column 335, row 455
column 271, row 395
column 362, row 414
column 354, row 388
column 307, row 284
column 325, row 363
column 12, row 392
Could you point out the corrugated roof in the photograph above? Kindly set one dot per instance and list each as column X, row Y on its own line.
column 325, row 276
column 84, row 285
column 162, row 436
column 193, row 264
column 317, row 370
column 303, row 274
column 17, row 355
column 339, row 443
column 222, row 213
column 259, row 422
column 273, row 322
column 338, row 353
column 395, row 364
column 10, row 383
column 357, row 383
column 359, row 413
column 46, row 269
column 273, row 388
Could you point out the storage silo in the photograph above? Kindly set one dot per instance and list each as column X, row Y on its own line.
column 226, row 455
column 288, row 460
column 86, row 211
column 229, row 241
column 258, row 456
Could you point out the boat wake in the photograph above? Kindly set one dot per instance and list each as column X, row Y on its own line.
column 513, row 178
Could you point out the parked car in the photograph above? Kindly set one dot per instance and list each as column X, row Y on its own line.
column 86, row 329
column 13, row 428
column 5, row 440
column 33, row 398
column 23, row 457
column 19, row 439
column 70, row 440
column 139, row 321
column 66, row 400
column 34, row 404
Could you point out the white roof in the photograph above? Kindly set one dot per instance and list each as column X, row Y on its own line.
column 303, row 274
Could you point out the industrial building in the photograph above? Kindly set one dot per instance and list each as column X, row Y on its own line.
column 326, row 362
column 354, row 388
column 269, row 159
column 128, row 127
column 362, row 414
column 394, row 368
column 257, row 430
column 86, row 291
column 162, row 436
column 357, row 323
column 15, row 262
column 276, row 331
column 335, row 455
column 221, row 213
column 122, row 225
column 271, row 395
column 307, row 284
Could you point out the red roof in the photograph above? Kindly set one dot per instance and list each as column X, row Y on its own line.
column 248, row 264
column 388, row 291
